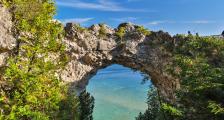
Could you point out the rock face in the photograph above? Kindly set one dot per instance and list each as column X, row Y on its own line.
column 97, row 47
column 7, row 41
column 90, row 51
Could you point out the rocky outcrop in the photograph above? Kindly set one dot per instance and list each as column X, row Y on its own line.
column 89, row 51
column 7, row 41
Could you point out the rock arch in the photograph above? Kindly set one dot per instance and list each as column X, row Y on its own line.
column 90, row 50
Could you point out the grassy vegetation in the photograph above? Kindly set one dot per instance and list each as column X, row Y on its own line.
column 143, row 30
column 120, row 32
column 102, row 31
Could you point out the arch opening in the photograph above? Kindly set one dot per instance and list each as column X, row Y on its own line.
column 119, row 93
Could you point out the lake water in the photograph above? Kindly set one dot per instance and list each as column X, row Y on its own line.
column 118, row 93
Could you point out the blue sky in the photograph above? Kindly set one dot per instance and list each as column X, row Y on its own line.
column 174, row 16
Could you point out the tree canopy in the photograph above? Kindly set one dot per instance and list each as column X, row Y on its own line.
column 31, row 88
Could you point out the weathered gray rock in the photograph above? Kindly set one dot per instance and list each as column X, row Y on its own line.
column 3, row 58
column 7, row 41
column 90, row 52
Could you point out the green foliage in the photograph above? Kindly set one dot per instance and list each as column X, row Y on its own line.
column 102, row 31
column 157, row 109
column 121, row 32
column 5, row 3
column 31, row 90
column 69, row 108
column 87, row 105
column 200, row 63
column 143, row 30
column 215, row 108
column 153, row 110
column 171, row 110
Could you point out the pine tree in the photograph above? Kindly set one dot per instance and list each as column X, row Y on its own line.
column 153, row 112
column 87, row 105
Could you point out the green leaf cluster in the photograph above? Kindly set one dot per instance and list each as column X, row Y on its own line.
column 31, row 89
column 120, row 32
column 171, row 110
column 200, row 63
column 143, row 30
column 215, row 108
column 102, row 30
column 158, row 109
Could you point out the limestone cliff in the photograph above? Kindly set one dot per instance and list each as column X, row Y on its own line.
column 90, row 51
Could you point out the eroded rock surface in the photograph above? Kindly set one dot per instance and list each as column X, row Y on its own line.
column 89, row 51
column 7, row 41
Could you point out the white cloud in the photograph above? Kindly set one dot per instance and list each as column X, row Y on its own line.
column 125, row 19
column 179, row 22
column 159, row 22
column 77, row 20
column 134, row 0
column 101, row 5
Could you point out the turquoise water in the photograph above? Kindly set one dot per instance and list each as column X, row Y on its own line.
column 118, row 93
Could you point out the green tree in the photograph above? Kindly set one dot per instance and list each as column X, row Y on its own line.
column 158, row 109
column 153, row 110
column 198, row 63
column 200, row 60
column 69, row 108
column 31, row 88
column 86, row 106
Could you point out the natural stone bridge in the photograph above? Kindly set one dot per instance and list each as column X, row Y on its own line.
column 90, row 50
